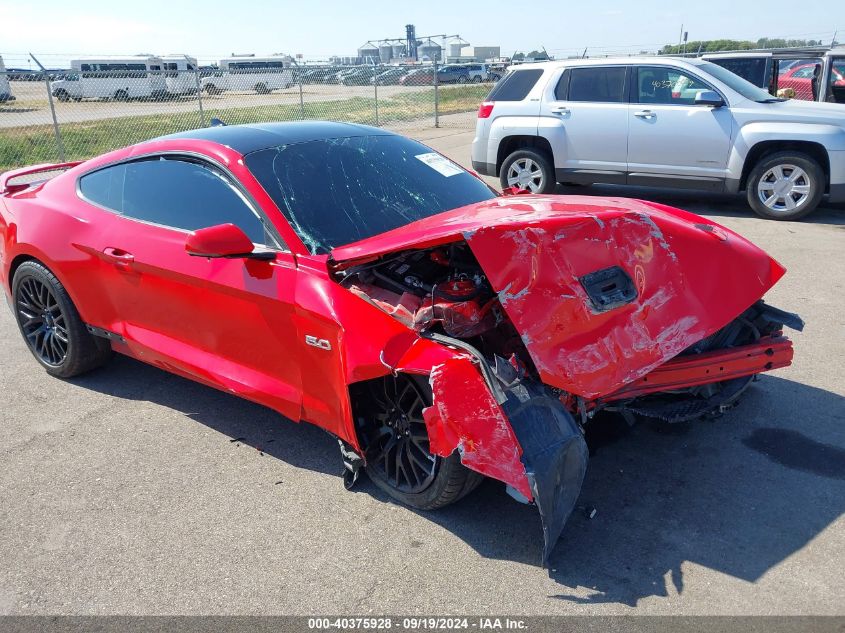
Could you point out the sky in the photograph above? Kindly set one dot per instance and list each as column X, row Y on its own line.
column 212, row 29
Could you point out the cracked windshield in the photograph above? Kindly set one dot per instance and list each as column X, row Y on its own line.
column 367, row 185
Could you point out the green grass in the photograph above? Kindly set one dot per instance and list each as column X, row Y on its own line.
column 37, row 144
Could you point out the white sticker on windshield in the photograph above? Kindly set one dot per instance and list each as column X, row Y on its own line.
column 440, row 163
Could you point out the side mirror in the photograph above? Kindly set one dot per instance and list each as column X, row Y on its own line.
column 709, row 98
column 223, row 240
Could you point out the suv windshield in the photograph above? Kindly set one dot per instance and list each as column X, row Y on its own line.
column 736, row 83
column 340, row 190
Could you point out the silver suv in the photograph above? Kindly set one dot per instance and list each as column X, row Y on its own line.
column 660, row 121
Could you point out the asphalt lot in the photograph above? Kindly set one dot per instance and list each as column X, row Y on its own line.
column 125, row 492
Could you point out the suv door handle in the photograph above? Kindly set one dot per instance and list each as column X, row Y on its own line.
column 118, row 257
column 560, row 110
column 645, row 114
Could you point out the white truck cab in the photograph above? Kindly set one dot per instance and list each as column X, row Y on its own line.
column 5, row 87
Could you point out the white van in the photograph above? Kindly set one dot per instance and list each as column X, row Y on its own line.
column 118, row 78
column 179, row 74
column 261, row 74
column 5, row 88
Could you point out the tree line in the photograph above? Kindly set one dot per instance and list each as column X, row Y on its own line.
column 712, row 46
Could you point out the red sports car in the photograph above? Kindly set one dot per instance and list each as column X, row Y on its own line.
column 355, row 279
column 800, row 79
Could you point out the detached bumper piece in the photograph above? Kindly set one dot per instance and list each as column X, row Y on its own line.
column 530, row 441
column 554, row 454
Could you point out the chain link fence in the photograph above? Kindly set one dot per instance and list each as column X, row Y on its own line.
column 64, row 116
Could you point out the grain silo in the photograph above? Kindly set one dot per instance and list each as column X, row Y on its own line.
column 398, row 51
column 430, row 50
column 368, row 53
column 385, row 52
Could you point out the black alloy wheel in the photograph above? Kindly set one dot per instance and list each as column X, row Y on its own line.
column 51, row 326
column 42, row 321
column 399, row 451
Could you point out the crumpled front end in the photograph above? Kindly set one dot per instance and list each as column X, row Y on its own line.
column 530, row 314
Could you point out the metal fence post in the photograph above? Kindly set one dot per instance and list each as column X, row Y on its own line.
column 436, row 97
column 59, row 144
column 375, row 92
column 301, row 101
column 199, row 95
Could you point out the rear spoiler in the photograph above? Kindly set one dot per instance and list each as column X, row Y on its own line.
column 6, row 187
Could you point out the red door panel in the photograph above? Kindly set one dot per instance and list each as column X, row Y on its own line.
column 227, row 322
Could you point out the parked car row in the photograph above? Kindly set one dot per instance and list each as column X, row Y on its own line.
column 658, row 121
column 407, row 75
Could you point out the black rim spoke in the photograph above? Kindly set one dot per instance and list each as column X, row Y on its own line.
column 399, row 447
column 42, row 321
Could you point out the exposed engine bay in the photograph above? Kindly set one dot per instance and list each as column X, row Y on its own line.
column 440, row 290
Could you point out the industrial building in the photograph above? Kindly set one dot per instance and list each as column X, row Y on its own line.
column 481, row 53
column 424, row 48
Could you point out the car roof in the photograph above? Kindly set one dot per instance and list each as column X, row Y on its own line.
column 252, row 137
column 652, row 60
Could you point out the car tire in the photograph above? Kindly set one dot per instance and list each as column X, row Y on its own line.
column 476, row 79
column 62, row 95
column 51, row 326
column 262, row 89
column 534, row 162
column 121, row 95
column 785, row 186
column 212, row 90
column 463, row 79
column 448, row 481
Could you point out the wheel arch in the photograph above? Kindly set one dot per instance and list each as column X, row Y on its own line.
column 760, row 150
column 510, row 144
column 16, row 263
column 39, row 258
column 359, row 399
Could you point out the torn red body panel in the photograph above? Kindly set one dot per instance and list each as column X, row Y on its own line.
column 589, row 351
column 465, row 417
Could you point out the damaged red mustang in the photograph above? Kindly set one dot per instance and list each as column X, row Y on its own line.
column 352, row 278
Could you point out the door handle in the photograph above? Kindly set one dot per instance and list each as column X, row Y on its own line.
column 118, row 257
column 645, row 114
column 560, row 110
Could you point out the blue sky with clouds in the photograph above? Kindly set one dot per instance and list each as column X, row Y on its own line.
column 214, row 28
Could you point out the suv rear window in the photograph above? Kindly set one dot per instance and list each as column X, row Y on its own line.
column 515, row 86
column 602, row 85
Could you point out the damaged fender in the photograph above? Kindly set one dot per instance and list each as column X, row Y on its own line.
column 530, row 442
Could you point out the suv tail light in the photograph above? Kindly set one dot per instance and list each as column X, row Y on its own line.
column 485, row 109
